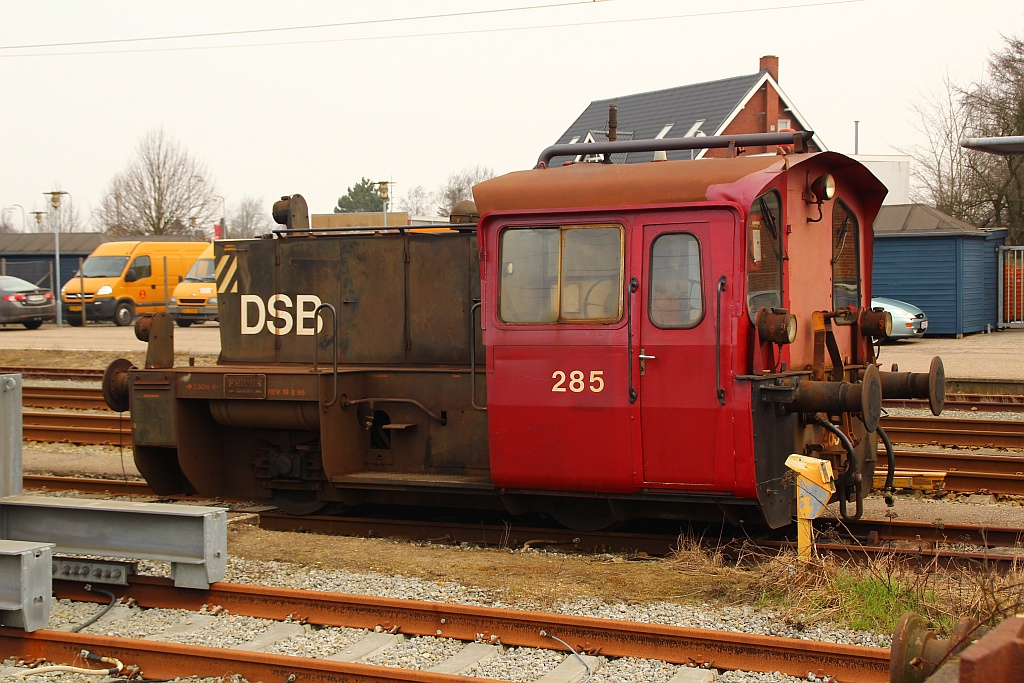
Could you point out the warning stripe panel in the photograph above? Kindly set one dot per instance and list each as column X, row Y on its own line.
column 227, row 270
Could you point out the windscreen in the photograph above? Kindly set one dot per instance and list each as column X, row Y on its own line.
column 104, row 266
column 202, row 270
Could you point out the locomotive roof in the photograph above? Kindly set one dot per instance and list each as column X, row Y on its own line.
column 586, row 185
column 594, row 185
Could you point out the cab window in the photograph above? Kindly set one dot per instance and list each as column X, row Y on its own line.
column 142, row 267
column 845, row 258
column 676, row 299
column 764, row 253
column 564, row 274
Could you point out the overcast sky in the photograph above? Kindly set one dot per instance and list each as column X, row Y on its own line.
column 412, row 91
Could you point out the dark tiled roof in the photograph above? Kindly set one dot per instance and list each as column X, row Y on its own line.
column 906, row 219
column 43, row 242
column 74, row 242
column 644, row 115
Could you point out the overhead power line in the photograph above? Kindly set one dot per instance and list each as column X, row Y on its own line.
column 281, row 29
column 503, row 29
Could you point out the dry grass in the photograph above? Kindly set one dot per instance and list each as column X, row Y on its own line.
column 868, row 596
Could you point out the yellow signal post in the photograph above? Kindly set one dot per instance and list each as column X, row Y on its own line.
column 814, row 487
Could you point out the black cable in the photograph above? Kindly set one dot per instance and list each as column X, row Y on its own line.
column 94, row 618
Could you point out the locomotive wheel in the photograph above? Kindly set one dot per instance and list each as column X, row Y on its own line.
column 297, row 502
column 584, row 514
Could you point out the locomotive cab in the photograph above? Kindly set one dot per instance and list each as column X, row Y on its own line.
column 668, row 333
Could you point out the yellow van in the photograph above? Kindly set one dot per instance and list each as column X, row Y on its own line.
column 120, row 280
column 195, row 298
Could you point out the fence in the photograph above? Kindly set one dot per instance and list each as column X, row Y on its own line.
column 1011, row 286
column 39, row 273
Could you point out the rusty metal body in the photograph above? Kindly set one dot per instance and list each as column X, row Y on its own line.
column 972, row 654
column 391, row 366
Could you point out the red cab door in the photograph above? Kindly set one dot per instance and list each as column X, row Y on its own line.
column 677, row 385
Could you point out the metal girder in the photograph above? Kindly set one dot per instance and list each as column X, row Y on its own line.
column 192, row 538
column 10, row 435
column 25, row 584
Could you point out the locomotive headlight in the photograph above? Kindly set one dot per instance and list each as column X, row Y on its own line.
column 776, row 325
column 824, row 187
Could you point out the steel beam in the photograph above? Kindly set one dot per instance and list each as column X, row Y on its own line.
column 25, row 584
column 192, row 538
column 10, row 435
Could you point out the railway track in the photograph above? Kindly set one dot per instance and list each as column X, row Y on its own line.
column 479, row 628
column 103, row 428
column 927, row 541
column 966, row 472
column 955, row 432
column 88, row 397
column 87, row 429
column 72, row 374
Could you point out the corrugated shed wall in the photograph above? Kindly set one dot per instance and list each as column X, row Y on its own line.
column 954, row 279
column 922, row 271
column 972, row 285
column 992, row 243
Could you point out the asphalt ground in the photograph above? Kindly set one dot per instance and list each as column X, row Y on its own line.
column 999, row 355
column 106, row 337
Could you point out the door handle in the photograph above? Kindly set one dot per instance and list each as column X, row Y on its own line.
column 643, row 362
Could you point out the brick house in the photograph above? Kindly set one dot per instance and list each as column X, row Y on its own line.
column 743, row 104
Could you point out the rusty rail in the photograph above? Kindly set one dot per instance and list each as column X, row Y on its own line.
column 955, row 432
column 78, row 398
column 74, row 374
column 103, row 429
column 725, row 650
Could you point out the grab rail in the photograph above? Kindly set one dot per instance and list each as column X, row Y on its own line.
column 316, row 349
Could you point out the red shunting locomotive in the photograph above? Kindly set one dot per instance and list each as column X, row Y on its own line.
column 608, row 342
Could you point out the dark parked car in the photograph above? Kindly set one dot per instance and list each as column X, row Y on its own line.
column 907, row 319
column 23, row 302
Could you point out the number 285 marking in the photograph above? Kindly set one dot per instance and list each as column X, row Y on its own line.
column 576, row 382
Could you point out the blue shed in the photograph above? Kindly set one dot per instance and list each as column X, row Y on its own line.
column 30, row 255
column 947, row 268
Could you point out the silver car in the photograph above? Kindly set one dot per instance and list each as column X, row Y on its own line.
column 23, row 302
column 907, row 319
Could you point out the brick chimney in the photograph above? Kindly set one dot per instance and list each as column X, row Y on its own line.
column 770, row 63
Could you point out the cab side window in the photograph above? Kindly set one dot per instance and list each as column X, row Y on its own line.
column 564, row 274
column 141, row 266
column 845, row 258
column 764, row 253
column 676, row 293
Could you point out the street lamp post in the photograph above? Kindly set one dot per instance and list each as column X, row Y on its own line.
column 55, row 203
column 382, row 189
column 223, row 218
column 23, row 227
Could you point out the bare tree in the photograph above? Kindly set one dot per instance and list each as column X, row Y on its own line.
column 460, row 186
column 162, row 191
column 418, row 201
column 942, row 170
column 998, row 105
column 251, row 217
column 981, row 189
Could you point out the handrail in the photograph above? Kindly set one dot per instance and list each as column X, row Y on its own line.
column 316, row 348
column 798, row 138
column 720, row 390
column 472, row 357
